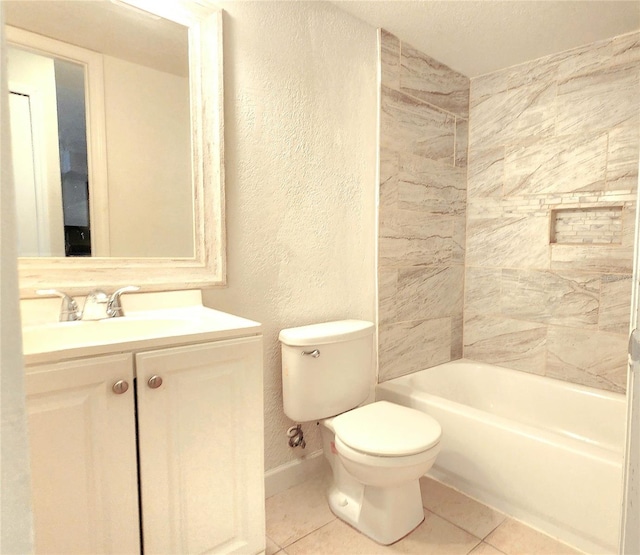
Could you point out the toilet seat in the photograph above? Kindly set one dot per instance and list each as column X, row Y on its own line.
column 376, row 461
column 384, row 429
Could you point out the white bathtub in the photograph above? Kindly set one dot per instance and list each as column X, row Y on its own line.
column 544, row 451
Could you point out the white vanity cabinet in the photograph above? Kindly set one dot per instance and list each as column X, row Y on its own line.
column 201, row 448
column 82, row 439
column 198, row 475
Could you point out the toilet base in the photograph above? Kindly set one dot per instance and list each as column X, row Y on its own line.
column 386, row 515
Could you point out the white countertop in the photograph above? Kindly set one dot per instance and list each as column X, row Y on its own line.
column 173, row 321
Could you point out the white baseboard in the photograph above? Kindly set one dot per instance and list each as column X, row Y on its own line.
column 293, row 473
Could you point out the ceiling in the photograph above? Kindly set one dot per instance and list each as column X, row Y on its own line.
column 476, row 37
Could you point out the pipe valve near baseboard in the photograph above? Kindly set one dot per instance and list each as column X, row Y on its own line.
column 296, row 437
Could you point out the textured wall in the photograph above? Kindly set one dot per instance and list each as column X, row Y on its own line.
column 423, row 151
column 557, row 133
column 300, row 139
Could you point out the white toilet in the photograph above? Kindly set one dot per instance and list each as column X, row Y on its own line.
column 377, row 451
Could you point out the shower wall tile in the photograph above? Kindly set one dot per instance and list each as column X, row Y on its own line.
column 486, row 86
column 462, row 142
column 429, row 80
column 556, row 165
column 561, row 132
column 615, row 306
column 626, row 49
column 570, row 299
column 390, row 59
column 598, row 101
column 422, row 216
column 407, row 347
column 622, row 161
column 588, row 357
column 524, row 113
column 482, row 291
column 592, row 258
column 511, row 242
column 411, row 126
column 431, row 187
column 506, row 342
column 459, row 240
column 485, row 176
column 457, row 336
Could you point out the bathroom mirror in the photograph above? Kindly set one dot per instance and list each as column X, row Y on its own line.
column 156, row 219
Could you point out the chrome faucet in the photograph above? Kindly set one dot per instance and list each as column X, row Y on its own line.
column 68, row 310
column 95, row 305
column 114, row 307
column 98, row 305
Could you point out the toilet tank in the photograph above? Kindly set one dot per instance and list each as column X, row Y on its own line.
column 327, row 368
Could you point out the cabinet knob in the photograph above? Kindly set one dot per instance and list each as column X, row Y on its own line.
column 155, row 382
column 120, row 387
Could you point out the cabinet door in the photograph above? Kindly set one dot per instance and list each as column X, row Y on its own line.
column 83, row 456
column 201, row 448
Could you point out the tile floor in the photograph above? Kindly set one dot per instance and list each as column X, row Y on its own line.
column 299, row 521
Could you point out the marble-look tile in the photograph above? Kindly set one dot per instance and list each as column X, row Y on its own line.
column 515, row 538
column 387, row 291
column 599, row 100
column 409, row 125
column 457, row 508
column 457, row 335
column 428, row 293
column 410, row 238
column 571, row 357
column 536, row 71
column 406, row 347
column 567, row 298
column 429, row 80
column 626, row 49
column 421, row 293
column 615, row 303
column 388, row 177
column 485, row 172
column 431, row 187
column 482, row 289
column 458, row 240
column 589, row 58
column 622, row 163
column 558, row 165
column 462, row 142
column 592, row 258
column 481, row 208
column 287, row 520
column 487, row 85
column 512, row 242
column 505, row 342
column 390, row 59
column 522, row 114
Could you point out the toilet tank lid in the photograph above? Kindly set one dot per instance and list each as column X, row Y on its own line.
column 326, row 332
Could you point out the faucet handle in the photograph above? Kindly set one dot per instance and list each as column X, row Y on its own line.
column 68, row 310
column 114, row 306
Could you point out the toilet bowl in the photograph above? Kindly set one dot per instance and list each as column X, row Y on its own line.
column 375, row 486
column 377, row 451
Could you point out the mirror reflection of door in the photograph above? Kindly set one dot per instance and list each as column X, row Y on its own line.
column 49, row 155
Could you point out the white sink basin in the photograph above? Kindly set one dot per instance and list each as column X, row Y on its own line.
column 58, row 340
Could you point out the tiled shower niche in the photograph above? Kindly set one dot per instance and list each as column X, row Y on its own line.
column 596, row 225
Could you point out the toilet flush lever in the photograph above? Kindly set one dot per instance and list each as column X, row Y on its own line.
column 315, row 353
